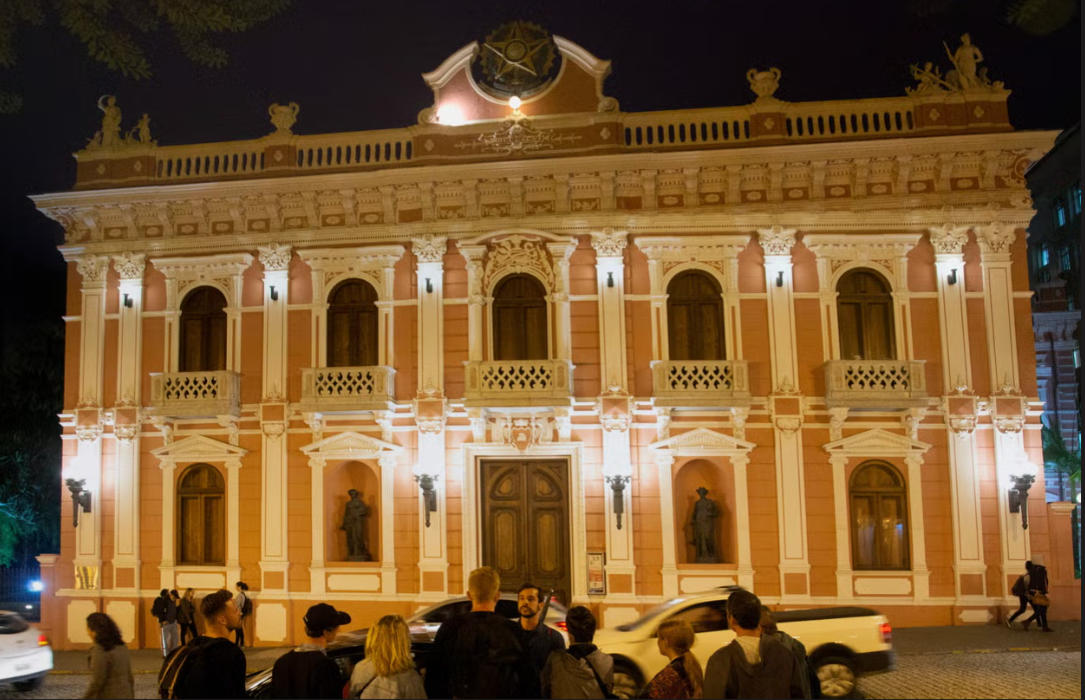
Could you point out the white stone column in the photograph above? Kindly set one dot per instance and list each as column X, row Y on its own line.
column 386, row 309
column 233, row 520
column 563, row 340
column 317, row 463
column 742, row 520
column 948, row 242
column 169, row 518
column 476, row 301
column 844, row 586
column 609, row 248
column 918, row 531
column 430, row 251
column 665, row 469
column 387, row 463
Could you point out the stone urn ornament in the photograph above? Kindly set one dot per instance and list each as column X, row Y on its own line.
column 764, row 83
column 283, row 117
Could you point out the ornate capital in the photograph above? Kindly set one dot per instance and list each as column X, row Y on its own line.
column 430, row 426
column 429, row 248
column 273, row 430
column 739, row 416
column 130, row 266
column 387, row 460
column 93, row 269
column 777, row 240
column 125, row 433
column 948, row 239
column 837, row 416
column 788, row 424
column 88, row 433
column 609, row 243
column 995, row 239
column 275, row 257
column 962, row 426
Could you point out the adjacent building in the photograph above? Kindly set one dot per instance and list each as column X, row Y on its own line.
column 533, row 331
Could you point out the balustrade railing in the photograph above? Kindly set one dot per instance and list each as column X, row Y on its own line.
column 885, row 384
column 519, row 383
column 348, row 388
column 700, row 382
column 196, row 393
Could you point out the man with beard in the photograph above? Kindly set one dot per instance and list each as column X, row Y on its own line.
column 538, row 639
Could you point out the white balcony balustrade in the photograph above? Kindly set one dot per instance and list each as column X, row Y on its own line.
column 876, row 384
column 519, row 383
column 714, row 383
column 330, row 389
column 196, row 394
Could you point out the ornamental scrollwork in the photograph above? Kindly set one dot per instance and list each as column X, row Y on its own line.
column 93, row 268
column 429, row 248
column 517, row 254
column 948, row 239
column 609, row 243
column 777, row 240
column 995, row 239
column 130, row 266
column 275, row 257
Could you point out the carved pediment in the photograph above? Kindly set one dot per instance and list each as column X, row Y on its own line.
column 199, row 448
column 877, row 443
column 350, row 445
column 704, row 441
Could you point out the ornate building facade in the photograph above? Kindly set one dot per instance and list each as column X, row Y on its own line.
column 532, row 328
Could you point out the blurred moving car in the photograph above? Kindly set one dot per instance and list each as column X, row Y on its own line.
column 349, row 648
column 25, row 655
column 842, row 643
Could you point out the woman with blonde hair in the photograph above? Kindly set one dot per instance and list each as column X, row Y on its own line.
column 387, row 670
column 682, row 679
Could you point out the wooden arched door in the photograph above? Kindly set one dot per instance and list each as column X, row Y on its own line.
column 519, row 319
column 353, row 333
column 525, row 524
column 864, row 309
column 695, row 317
column 203, row 331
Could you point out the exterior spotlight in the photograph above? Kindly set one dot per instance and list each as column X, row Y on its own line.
column 610, row 279
column 780, row 278
column 1019, row 491
column 952, row 279
column 80, row 498
column 429, row 493
column 128, row 301
column 35, row 587
column 274, row 293
column 429, row 286
column 617, row 487
column 515, row 103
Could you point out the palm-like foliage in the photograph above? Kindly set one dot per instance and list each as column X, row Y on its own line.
column 1059, row 458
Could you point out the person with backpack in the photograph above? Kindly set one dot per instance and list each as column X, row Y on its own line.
column 186, row 615
column 583, row 671
column 754, row 665
column 165, row 610
column 539, row 640
column 1020, row 589
column 682, row 678
column 387, row 672
column 244, row 604
column 306, row 671
column 479, row 654
column 811, row 685
column 211, row 665
column 1037, row 595
column 110, row 668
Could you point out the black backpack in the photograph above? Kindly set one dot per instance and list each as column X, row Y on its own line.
column 488, row 660
column 246, row 607
column 180, row 659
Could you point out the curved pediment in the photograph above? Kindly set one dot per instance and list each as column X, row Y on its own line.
column 703, row 441
column 350, row 445
column 877, row 443
column 199, row 448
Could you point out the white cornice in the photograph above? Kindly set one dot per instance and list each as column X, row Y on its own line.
column 583, row 58
column 440, row 76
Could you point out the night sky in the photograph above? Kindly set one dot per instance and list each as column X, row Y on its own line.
column 356, row 65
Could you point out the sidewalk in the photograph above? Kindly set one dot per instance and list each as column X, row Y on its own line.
column 150, row 660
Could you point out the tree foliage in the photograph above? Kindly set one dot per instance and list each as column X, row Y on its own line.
column 1058, row 457
column 112, row 30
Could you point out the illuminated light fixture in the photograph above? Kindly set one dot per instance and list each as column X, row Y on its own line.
column 610, row 279
column 80, row 498
column 429, row 286
column 1022, row 482
column 128, row 301
column 617, row 488
column 952, row 279
column 780, row 278
column 274, row 293
column 450, row 115
column 426, row 483
column 515, row 102
column 35, row 587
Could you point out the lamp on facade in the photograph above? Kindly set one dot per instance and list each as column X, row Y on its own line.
column 1022, row 481
column 274, row 293
column 80, row 498
column 610, row 280
column 427, row 484
column 952, row 279
column 617, row 490
column 515, row 103
column 128, row 301
column 429, row 286
column 780, row 278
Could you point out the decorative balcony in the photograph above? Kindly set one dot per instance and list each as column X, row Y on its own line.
column 695, row 383
column 519, row 383
column 332, row 389
column 196, row 394
column 884, row 384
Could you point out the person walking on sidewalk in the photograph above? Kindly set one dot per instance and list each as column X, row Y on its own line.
column 214, row 666
column 1037, row 589
column 1020, row 589
column 387, row 672
column 186, row 615
column 306, row 671
column 165, row 610
column 110, row 668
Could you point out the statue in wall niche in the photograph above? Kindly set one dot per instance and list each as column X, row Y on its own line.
column 705, row 513
column 354, row 523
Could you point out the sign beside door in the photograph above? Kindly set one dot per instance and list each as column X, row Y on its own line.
column 597, row 580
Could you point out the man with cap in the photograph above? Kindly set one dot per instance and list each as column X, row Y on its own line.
column 307, row 672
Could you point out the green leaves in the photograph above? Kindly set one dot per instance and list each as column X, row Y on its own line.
column 1057, row 457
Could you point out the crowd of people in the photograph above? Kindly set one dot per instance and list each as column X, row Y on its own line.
column 479, row 654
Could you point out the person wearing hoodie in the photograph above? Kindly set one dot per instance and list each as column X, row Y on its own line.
column 582, row 671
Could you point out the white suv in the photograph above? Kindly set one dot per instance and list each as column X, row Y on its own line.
column 25, row 655
column 842, row 643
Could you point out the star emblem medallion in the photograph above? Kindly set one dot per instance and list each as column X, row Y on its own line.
column 518, row 58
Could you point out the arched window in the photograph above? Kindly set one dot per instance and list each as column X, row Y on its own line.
column 201, row 520
column 203, row 331
column 864, row 307
column 352, row 325
column 695, row 317
column 879, row 519
column 519, row 320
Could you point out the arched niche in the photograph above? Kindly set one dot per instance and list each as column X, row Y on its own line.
column 339, row 479
column 718, row 476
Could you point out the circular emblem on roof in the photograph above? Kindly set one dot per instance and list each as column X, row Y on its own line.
column 518, row 58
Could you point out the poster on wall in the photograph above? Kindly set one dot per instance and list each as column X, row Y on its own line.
column 597, row 582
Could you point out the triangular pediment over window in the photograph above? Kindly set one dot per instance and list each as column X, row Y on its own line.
column 351, row 445
column 199, row 448
column 877, row 443
column 704, row 441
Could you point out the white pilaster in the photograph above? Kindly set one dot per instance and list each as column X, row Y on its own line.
column 740, row 462
column 388, row 524
column 563, row 340
column 918, row 531
column 169, row 518
column 317, row 463
column 476, row 301
column 844, row 588
column 430, row 251
column 665, row 469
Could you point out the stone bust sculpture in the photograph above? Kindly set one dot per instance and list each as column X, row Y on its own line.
column 705, row 513
column 354, row 515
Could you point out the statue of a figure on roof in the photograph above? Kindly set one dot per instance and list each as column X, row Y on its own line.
column 283, row 117
column 929, row 78
column 966, row 60
column 111, row 121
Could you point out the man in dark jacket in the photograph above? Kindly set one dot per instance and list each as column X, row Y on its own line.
column 582, row 672
column 752, row 666
column 307, row 672
column 479, row 654
column 538, row 639
column 1037, row 585
column 811, row 686
column 1020, row 589
column 215, row 667
column 165, row 610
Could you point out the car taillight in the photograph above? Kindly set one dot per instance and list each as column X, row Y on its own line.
column 887, row 633
column 43, row 641
column 562, row 626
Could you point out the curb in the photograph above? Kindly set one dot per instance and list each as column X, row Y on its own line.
column 1011, row 650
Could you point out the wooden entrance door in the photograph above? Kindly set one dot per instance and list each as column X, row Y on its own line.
column 525, row 524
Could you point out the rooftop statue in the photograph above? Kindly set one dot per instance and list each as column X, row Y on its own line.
column 965, row 60
column 929, row 78
column 966, row 73
column 764, row 83
column 283, row 117
column 110, row 135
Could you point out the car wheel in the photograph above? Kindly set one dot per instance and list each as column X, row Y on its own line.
column 837, row 677
column 627, row 679
column 32, row 684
